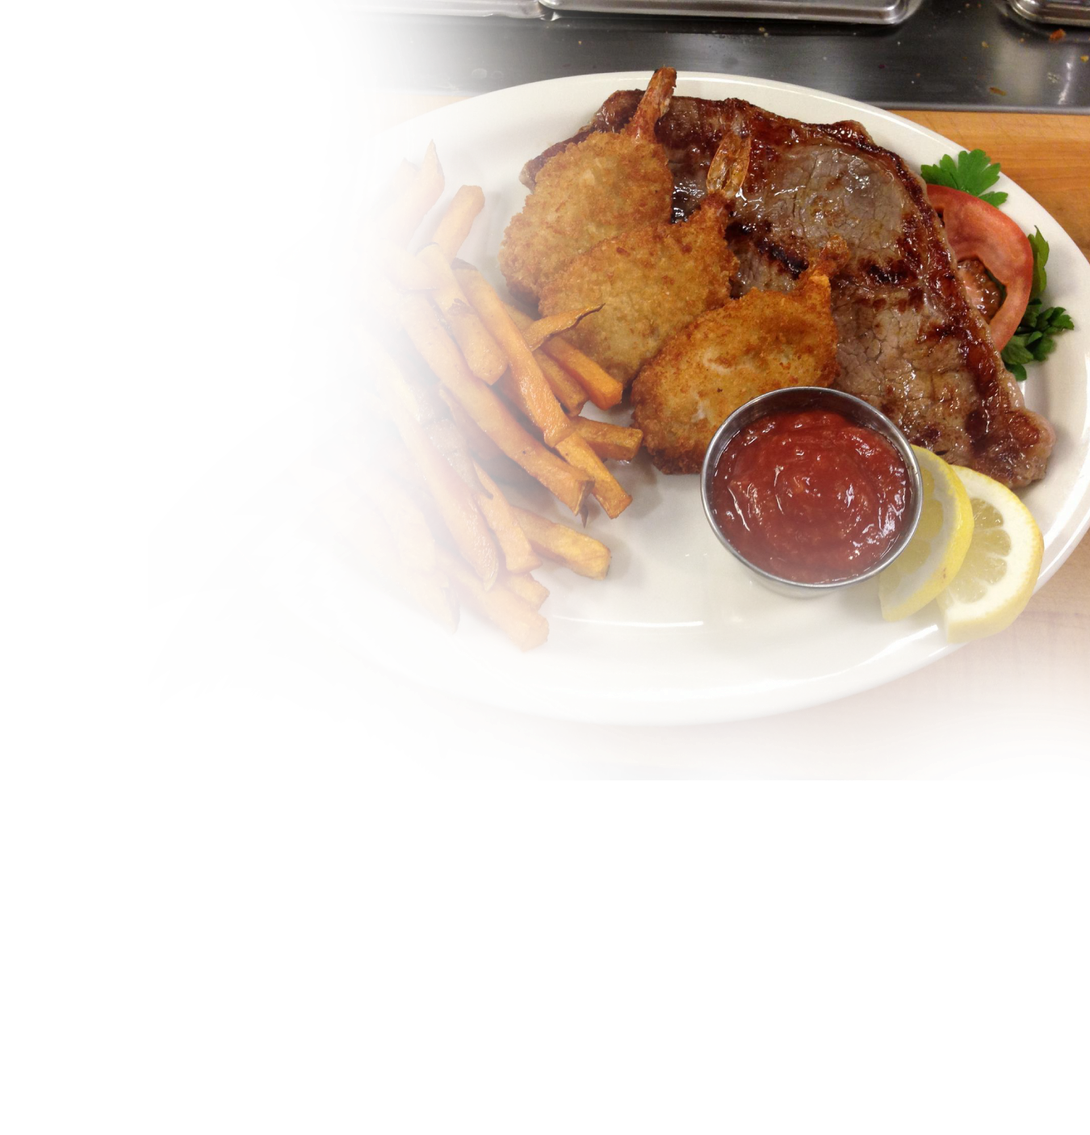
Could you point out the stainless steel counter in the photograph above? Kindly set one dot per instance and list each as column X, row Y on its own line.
column 949, row 54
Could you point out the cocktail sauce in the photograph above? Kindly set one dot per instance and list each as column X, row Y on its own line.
column 810, row 495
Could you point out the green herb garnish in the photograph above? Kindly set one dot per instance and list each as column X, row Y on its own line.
column 973, row 173
column 1034, row 340
column 1040, row 259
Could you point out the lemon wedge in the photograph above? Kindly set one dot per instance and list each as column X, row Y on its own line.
column 1001, row 566
column 938, row 546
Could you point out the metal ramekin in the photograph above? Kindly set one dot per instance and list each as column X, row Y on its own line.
column 796, row 398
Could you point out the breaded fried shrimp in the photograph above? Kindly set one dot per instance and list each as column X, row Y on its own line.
column 761, row 342
column 651, row 282
column 591, row 190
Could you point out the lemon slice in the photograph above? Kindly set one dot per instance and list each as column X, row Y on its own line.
column 938, row 546
column 1001, row 566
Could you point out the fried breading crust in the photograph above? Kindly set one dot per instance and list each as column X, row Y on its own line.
column 761, row 342
column 651, row 282
column 593, row 190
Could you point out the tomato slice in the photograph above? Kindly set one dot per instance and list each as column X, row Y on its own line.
column 976, row 229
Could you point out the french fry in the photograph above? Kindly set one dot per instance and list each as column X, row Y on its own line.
column 603, row 389
column 453, row 497
column 578, row 551
column 571, row 395
column 609, row 441
column 454, row 226
column 607, row 489
column 403, row 215
column 525, row 586
column 360, row 528
column 567, row 390
column 403, row 269
column 503, row 469
column 441, row 353
column 539, row 330
column 449, row 440
column 522, row 624
column 517, row 554
column 394, row 455
column 376, row 349
column 477, row 440
column 482, row 352
column 411, row 534
column 536, row 396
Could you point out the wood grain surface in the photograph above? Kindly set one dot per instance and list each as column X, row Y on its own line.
column 990, row 703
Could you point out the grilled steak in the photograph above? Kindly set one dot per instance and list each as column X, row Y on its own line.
column 910, row 341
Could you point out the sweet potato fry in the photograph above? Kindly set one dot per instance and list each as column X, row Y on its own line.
column 411, row 534
column 482, row 352
column 570, row 394
column 606, row 489
column 396, row 457
column 477, row 440
column 449, row 440
column 582, row 553
column 517, row 554
column 503, row 469
column 454, row 226
column 376, row 354
column 453, row 497
column 525, row 586
column 609, row 441
column 522, row 624
column 403, row 215
column 359, row 527
column 567, row 390
column 603, row 389
column 441, row 353
column 401, row 268
column 537, row 398
column 537, row 332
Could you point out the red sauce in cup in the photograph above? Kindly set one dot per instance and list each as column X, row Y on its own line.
column 810, row 496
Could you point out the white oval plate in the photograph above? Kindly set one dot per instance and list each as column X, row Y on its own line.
column 678, row 633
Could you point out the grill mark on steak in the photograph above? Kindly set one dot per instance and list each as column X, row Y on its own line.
column 911, row 342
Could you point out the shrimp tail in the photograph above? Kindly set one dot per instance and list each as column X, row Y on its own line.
column 726, row 174
column 729, row 165
column 653, row 105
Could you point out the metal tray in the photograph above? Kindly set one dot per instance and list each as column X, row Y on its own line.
column 886, row 12
column 524, row 9
column 1049, row 11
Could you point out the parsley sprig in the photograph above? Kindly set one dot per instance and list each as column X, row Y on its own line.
column 973, row 173
column 1034, row 340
